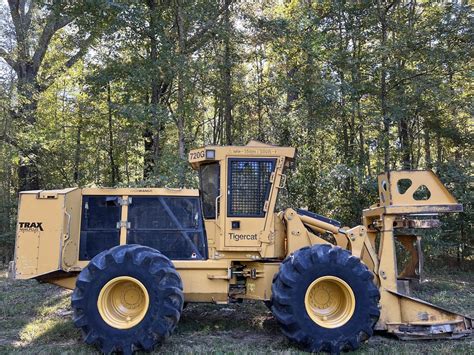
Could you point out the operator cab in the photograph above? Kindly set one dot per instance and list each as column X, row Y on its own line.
column 238, row 189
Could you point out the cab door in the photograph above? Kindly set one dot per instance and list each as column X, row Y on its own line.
column 248, row 190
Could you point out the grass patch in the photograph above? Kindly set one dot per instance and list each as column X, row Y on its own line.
column 36, row 318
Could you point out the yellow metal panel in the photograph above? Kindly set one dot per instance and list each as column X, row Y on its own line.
column 254, row 234
column 276, row 246
column 66, row 282
column 124, row 219
column 391, row 195
column 390, row 307
column 71, row 229
column 320, row 224
column 139, row 191
column 361, row 246
column 298, row 235
column 253, row 149
column 260, row 287
column 418, row 311
column 39, row 234
column 247, row 236
column 204, row 281
column 26, row 261
column 212, row 235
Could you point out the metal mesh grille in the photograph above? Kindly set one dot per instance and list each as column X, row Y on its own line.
column 170, row 224
column 249, row 187
column 99, row 232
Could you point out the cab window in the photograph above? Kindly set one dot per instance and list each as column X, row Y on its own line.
column 249, row 186
column 209, row 176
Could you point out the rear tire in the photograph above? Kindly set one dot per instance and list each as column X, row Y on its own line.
column 127, row 298
column 325, row 300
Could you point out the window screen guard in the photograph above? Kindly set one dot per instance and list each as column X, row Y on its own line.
column 248, row 186
column 173, row 225
column 99, row 232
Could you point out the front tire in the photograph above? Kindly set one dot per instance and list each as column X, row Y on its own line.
column 127, row 298
column 324, row 299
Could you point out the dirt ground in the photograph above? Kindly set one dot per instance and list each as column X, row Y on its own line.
column 36, row 318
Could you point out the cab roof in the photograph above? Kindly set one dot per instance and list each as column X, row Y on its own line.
column 253, row 149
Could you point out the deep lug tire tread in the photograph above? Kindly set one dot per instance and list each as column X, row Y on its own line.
column 291, row 282
column 163, row 281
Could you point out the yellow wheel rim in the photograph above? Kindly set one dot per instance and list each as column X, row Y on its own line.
column 123, row 302
column 329, row 301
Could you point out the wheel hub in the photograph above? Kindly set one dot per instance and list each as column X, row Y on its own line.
column 329, row 301
column 123, row 302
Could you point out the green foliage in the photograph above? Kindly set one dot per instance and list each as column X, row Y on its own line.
column 355, row 86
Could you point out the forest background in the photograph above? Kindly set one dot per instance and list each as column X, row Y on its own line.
column 116, row 93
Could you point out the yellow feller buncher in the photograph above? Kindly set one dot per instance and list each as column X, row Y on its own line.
column 134, row 256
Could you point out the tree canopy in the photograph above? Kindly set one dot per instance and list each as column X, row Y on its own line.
column 117, row 92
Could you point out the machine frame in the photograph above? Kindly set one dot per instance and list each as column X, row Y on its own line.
column 245, row 252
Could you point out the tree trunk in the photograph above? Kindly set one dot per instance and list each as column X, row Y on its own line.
column 345, row 128
column 227, row 78
column 153, row 129
column 404, row 134
column 28, row 174
column 439, row 147
column 181, row 70
column 383, row 12
column 259, row 67
column 180, row 119
column 77, row 154
column 127, row 164
column 26, row 60
column 362, row 155
column 310, row 99
column 180, row 104
column 114, row 172
column 217, row 120
column 405, row 143
column 383, row 105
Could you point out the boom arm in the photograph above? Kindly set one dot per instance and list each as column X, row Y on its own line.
column 404, row 196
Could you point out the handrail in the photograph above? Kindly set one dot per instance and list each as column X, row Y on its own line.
column 282, row 184
column 217, row 205
column 68, row 228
